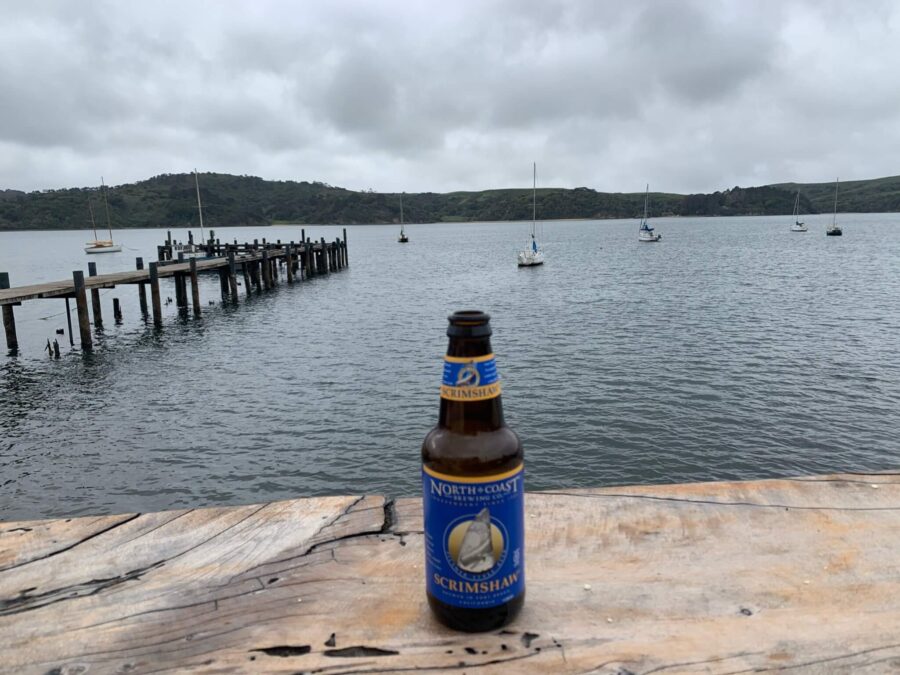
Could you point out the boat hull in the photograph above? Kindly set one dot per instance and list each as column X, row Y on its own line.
column 834, row 233
column 530, row 258
column 798, row 228
column 102, row 249
column 649, row 238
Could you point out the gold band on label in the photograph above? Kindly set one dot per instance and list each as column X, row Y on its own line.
column 473, row 479
column 469, row 359
column 484, row 393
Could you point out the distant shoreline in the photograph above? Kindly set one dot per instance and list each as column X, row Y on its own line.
column 247, row 201
column 465, row 222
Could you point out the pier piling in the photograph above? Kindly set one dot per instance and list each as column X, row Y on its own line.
column 95, row 298
column 223, row 283
column 9, row 319
column 266, row 269
column 232, row 276
column 142, row 288
column 84, row 320
column 154, row 295
column 181, row 300
column 117, row 311
column 288, row 255
column 69, row 321
column 195, row 288
column 346, row 258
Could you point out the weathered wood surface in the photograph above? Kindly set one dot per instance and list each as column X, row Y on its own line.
column 795, row 575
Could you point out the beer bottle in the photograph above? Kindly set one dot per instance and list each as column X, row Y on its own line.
column 473, row 490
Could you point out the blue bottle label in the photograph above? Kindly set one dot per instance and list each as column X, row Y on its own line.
column 474, row 537
column 470, row 378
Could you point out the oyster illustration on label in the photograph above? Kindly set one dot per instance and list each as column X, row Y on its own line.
column 476, row 553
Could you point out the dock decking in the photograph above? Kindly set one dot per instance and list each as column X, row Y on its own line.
column 798, row 575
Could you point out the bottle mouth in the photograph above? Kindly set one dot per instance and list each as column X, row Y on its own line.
column 470, row 323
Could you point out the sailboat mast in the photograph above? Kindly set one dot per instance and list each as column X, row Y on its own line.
column 106, row 203
column 834, row 217
column 199, row 205
column 401, row 213
column 534, row 200
column 646, row 199
column 93, row 222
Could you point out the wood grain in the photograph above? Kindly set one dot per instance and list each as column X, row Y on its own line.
column 797, row 575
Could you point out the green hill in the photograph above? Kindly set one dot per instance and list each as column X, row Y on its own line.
column 877, row 195
column 169, row 200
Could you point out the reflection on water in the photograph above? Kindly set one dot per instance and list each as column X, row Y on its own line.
column 732, row 349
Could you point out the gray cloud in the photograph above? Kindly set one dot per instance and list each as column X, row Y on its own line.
column 690, row 96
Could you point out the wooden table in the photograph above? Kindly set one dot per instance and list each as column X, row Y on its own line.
column 797, row 575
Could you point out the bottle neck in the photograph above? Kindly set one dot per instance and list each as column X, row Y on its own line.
column 470, row 417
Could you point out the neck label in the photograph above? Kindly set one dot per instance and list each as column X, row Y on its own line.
column 470, row 378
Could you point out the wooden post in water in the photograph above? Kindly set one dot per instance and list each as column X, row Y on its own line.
column 324, row 257
column 154, row 295
column 254, row 275
column 117, row 311
column 142, row 288
column 288, row 255
column 69, row 321
column 195, row 288
column 346, row 257
column 181, row 300
column 232, row 276
column 223, row 283
column 9, row 318
column 307, row 258
column 95, row 297
column 84, row 319
column 266, row 269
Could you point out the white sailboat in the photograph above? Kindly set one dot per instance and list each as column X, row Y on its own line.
column 645, row 233
column 834, row 230
column 797, row 226
column 192, row 250
column 532, row 255
column 101, row 245
column 403, row 238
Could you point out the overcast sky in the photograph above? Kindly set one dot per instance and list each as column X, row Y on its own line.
column 439, row 96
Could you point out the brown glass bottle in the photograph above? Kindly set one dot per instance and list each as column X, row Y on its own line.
column 473, row 471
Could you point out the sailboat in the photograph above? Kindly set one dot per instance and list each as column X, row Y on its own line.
column 798, row 226
column 101, row 245
column 834, row 230
column 403, row 238
column 532, row 255
column 645, row 233
column 192, row 250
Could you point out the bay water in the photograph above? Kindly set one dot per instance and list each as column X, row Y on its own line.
column 732, row 349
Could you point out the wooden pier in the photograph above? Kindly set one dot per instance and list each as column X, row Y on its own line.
column 797, row 575
column 258, row 262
